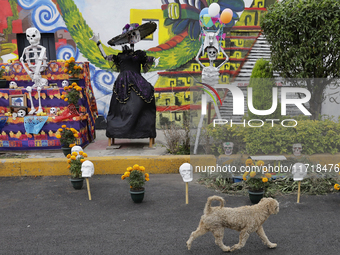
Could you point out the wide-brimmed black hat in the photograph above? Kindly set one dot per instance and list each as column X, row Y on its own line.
column 128, row 30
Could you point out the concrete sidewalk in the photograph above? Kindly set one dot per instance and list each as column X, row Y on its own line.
column 45, row 215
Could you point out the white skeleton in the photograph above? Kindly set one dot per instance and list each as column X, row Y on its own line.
column 210, row 74
column 36, row 59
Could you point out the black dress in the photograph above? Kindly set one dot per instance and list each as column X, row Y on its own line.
column 132, row 112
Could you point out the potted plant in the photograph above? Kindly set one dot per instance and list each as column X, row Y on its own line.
column 257, row 179
column 68, row 138
column 72, row 69
column 136, row 177
column 3, row 82
column 75, row 160
column 72, row 94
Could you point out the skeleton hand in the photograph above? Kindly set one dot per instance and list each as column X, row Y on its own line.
column 29, row 89
column 95, row 38
column 156, row 61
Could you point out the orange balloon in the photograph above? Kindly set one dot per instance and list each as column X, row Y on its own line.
column 226, row 16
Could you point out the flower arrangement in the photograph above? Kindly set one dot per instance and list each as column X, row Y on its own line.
column 2, row 71
column 75, row 160
column 337, row 185
column 136, row 177
column 71, row 68
column 67, row 136
column 73, row 94
column 258, row 177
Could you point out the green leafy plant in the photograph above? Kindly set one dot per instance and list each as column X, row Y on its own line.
column 75, row 160
column 2, row 71
column 67, row 136
column 71, row 68
column 72, row 94
column 136, row 177
column 256, row 178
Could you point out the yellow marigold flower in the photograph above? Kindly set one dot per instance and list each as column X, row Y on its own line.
column 245, row 175
column 68, row 156
column 72, row 59
column 63, row 126
column 74, row 84
column 146, row 175
column 58, row 136
column 76, row 135
column 70, row 72
column 82, row 160
column 147, row 179
column 78, row 89
column 127, row 174
column 62, row 97
column 244, row 178
column 66, row 64
column 66, row 99
column 65, row 70
column 69, row 161
column 268, row 175
column 264, row 169
column 142, row 168
column 68, row 166
column 129, row 169
column 264, row 179
column 252, row 174
column 84, row 155
column 249, row 162
column 74, row 153
column 81, row 152
column 123, row 177
column 260, row 163
column 337, row 186
column 72, row 145
column 73, row 157
column 135, row 167
column 3, row 67
column 130, row 187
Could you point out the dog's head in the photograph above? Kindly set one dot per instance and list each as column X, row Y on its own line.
column 270, row 204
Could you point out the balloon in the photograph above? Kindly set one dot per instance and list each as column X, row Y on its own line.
column 214, row 9
column 226, row 16
column 203, row 12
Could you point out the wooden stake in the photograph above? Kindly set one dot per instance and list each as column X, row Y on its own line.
column 88, row 188
column 186, row 193
column 299, row 187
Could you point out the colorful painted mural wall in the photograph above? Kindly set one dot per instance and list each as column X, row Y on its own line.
column 176, row 41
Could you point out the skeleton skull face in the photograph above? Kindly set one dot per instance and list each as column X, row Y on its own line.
column 53, row 111
column 186, row 172
column 21, row 113
column 134, row 37
column 212, row 53
column 13, row 85
column 299, row 171
column 228, row 148
column 64, row 83
column 33, row 36
column 297, row 148
column 87, row 169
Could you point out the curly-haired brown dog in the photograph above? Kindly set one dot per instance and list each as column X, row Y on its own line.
column 245, row 219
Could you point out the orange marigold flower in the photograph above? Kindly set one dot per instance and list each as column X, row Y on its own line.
column 72, row 145
column 63, row 126
column 81, row 152
column 84, row 155
column 66, row 99
column 68, row 156
column 68, row 166
column 73, row 157
column 58, row 136
column 265, row 179
column 268, row 175
column 129, row 169
column 252, row 174
column 123, row 177
column 75, row 135
column 337, row 186
column 82, row 160
column 260, row 163
column 65, row 70
column 147, row 179
column 135, row 167
column 74, row 153
column 146, row 175
column 69, row 161
column 249, row 162
column 62, row 97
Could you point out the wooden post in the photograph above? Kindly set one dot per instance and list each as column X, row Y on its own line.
column 299, row 189
column 186, row 193
column 88, row 188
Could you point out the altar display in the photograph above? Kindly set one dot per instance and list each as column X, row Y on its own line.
column 132, row 111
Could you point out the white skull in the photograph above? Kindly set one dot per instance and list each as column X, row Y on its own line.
column 186, row 172
column 21, row 113
column 53, row 111
column 228, row 148
column 297, row 148
column 33, row 36
column 13, row 85
column 64, row 83
column 212, row 52
column 299, row 171
column 87, row 169
column 14, row 115
column 77, row 149
column 135, row 37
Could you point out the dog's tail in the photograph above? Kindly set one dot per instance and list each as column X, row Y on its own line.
column 207, row 208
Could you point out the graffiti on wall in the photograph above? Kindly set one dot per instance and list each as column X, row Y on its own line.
column 176, row 41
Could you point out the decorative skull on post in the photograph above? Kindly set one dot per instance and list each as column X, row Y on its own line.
column 228, row 148
column 35, row 55
column 186, row 172
column 87, row 169
column 299, row 171
column 297, row 148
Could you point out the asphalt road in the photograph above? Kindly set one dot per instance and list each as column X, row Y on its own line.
column 45, row 215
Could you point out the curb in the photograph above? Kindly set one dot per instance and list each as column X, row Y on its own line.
column 102, row 165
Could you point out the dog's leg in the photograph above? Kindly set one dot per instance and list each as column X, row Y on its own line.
column 264, row 238
column 199, row 232
column 242, row 240
column 218, row 234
